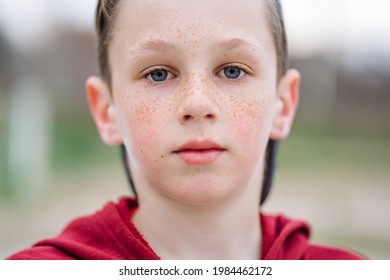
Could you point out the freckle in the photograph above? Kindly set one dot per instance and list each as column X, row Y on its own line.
column 162, row 156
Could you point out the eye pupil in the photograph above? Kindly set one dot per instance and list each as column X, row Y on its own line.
column 232, row 72
column 159, row 75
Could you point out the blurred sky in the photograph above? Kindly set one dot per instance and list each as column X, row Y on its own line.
column 358, row 26
column 29, row 23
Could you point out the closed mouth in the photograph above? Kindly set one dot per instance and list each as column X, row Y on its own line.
column 200, row 152
column 199, row 146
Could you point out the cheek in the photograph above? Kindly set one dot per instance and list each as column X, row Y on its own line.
column 251, row 120
column 142, row 124
column 139, row 121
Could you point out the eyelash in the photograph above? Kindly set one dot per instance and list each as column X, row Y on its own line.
column 157, row 68
column 238, row 66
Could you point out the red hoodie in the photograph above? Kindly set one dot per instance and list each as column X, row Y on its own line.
column 109, row 234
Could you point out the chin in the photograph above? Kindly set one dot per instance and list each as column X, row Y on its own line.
column 202, row 192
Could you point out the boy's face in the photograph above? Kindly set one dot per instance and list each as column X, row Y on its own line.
column 194, row 96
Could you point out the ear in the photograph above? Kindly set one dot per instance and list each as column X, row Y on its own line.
column 287, row 102
column 103, row 110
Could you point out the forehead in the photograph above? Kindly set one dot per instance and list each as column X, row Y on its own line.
column 192, row 23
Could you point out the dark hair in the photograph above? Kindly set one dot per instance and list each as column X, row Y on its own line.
column 106, row 12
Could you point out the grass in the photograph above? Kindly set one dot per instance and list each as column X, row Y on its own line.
column 335, row 148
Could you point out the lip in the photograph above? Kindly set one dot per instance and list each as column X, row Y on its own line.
column 200, row 152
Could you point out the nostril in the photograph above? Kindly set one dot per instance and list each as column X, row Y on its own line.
column 187, row 117
column 210, row 116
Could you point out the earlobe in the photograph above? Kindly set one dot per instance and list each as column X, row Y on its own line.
column 288, row 95
column 103, row 110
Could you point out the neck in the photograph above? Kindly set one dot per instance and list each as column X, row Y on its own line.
column 180, row 231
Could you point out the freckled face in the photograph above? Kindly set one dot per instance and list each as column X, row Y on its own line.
column 194, row 85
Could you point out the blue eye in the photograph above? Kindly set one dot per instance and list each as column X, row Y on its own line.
column 159, row 75
column 232, row 72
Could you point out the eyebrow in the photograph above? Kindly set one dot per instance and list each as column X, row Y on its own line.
column 155, row 45
column 237, row 43
column 158, row 45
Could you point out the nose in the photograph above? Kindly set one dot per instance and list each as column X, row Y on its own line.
column 197, row 102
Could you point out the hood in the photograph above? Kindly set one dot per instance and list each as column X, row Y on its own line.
column 283, row 239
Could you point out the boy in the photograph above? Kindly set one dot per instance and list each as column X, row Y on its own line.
column 194, row 91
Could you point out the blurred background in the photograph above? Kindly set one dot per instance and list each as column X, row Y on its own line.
column 332, row 171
